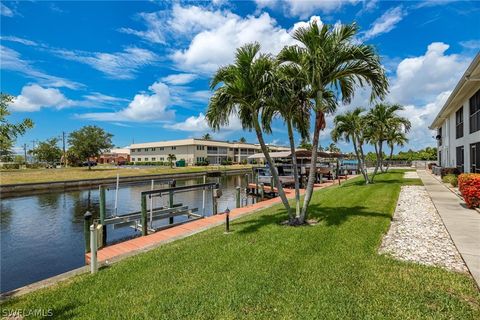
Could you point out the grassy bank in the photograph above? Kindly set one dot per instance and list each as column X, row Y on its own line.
column 48, row 175
column 266, row 270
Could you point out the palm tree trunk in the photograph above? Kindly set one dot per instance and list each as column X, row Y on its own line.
column 354, row 140
column 380, row 154
column 273, row 169
column 363, row 163
column 389, row 158
column 377, row 164
column 295, row 169
column 319, row 122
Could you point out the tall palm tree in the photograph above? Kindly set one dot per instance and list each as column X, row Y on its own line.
column 380, row 119
column 242, row 88
column 170, row 158
column 207, row 136
column 395, row 137
column 333, row 64
column 242, row 140
column 290, row 101
column 349, row 127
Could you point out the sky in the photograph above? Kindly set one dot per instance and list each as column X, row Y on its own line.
column 141, row 70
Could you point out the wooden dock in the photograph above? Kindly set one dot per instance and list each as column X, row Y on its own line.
column 118, row 251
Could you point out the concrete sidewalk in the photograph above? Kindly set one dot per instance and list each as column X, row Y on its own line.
column 462, row 224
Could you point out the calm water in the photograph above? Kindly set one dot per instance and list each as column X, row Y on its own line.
column 42, row 235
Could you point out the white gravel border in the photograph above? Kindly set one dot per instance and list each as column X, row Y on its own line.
column 411, row 175
column 417, row 233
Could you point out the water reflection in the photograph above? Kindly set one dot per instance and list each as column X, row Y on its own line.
column 42, row 235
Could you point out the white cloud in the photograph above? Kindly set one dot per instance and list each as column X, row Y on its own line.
column 155, row 27
column 215, row 47
column 100, row 98
column 6, row 11
column 144, row 107
column 305, row 24
column 180, row 78
column 11, row 60
column 421, row 79
column 385, row 23
column 471, row 44
column 199, row 124
column 304, row 9
column 421, row 117
column 117, row 65
column 34, row 97
column 18, row 40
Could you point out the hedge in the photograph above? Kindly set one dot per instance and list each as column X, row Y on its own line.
column 469, row 186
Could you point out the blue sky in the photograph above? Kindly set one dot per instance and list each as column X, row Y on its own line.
column 141, row 70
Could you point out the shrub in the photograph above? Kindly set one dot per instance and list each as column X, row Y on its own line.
column 445, row 171
column 452, row 179
column 469, row 186
column 10, row 166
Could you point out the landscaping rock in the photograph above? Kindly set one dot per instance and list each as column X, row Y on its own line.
column 417, row 233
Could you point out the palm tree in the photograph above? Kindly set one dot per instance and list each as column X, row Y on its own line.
column 333, row 148
column 380, row 119
column 244, row 91
column 206, row 136
column 170, row 158
column 242, row 140
column 349, row 127
column 333, row 64
column 290, row 101
column 395, row 137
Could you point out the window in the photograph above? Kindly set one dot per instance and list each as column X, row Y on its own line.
column 133, row 150
column 139, row 159
column 133, row 159
column 475, row 112
column 146, row 159
column 153, row 159
column 200, row 147
column 146, row 149
column 459, row 123
column 475, row 157
column 174, row 148
column 460, row 158
column 161, row 159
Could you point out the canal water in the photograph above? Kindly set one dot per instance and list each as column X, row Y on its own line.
column 42, row 235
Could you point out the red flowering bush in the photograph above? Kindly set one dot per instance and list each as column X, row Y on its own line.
column 469, row 186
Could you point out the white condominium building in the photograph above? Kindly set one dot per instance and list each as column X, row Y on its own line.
column 195, row 150
column 458, row 123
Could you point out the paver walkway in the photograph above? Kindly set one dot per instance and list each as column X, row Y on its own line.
column 131, row 247
column 463, row 224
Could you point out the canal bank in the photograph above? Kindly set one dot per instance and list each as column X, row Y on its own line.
column 25, row 189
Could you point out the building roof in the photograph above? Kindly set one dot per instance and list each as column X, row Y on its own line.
column 300, row 154
column 203, row 142
column 466, row 86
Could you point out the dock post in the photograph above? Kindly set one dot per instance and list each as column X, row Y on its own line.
column 256, row 183
column 203, row 195
column 93, row 248
column 172, row 184
column 237, row 197
column 262, row 191
column 216, row 193
column 144, row 215
column 103, row 215
column 86, row 229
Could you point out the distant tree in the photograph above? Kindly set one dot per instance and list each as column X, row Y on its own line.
column 206, row 136
column 305, row 144
column 48, row 151
column 9, row 131
column 395, row 136
column 170, row 158
column 333, row 148
column 242, row 140
column 89, row 142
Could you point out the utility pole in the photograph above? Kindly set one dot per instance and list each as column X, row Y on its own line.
column 25, row 152
column 33, row 150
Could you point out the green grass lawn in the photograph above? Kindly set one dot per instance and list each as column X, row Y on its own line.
column 266, row 270
column 98, row 172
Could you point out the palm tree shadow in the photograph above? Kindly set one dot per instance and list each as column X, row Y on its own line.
column 330, row 216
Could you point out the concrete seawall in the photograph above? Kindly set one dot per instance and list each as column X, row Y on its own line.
column 23, row 189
